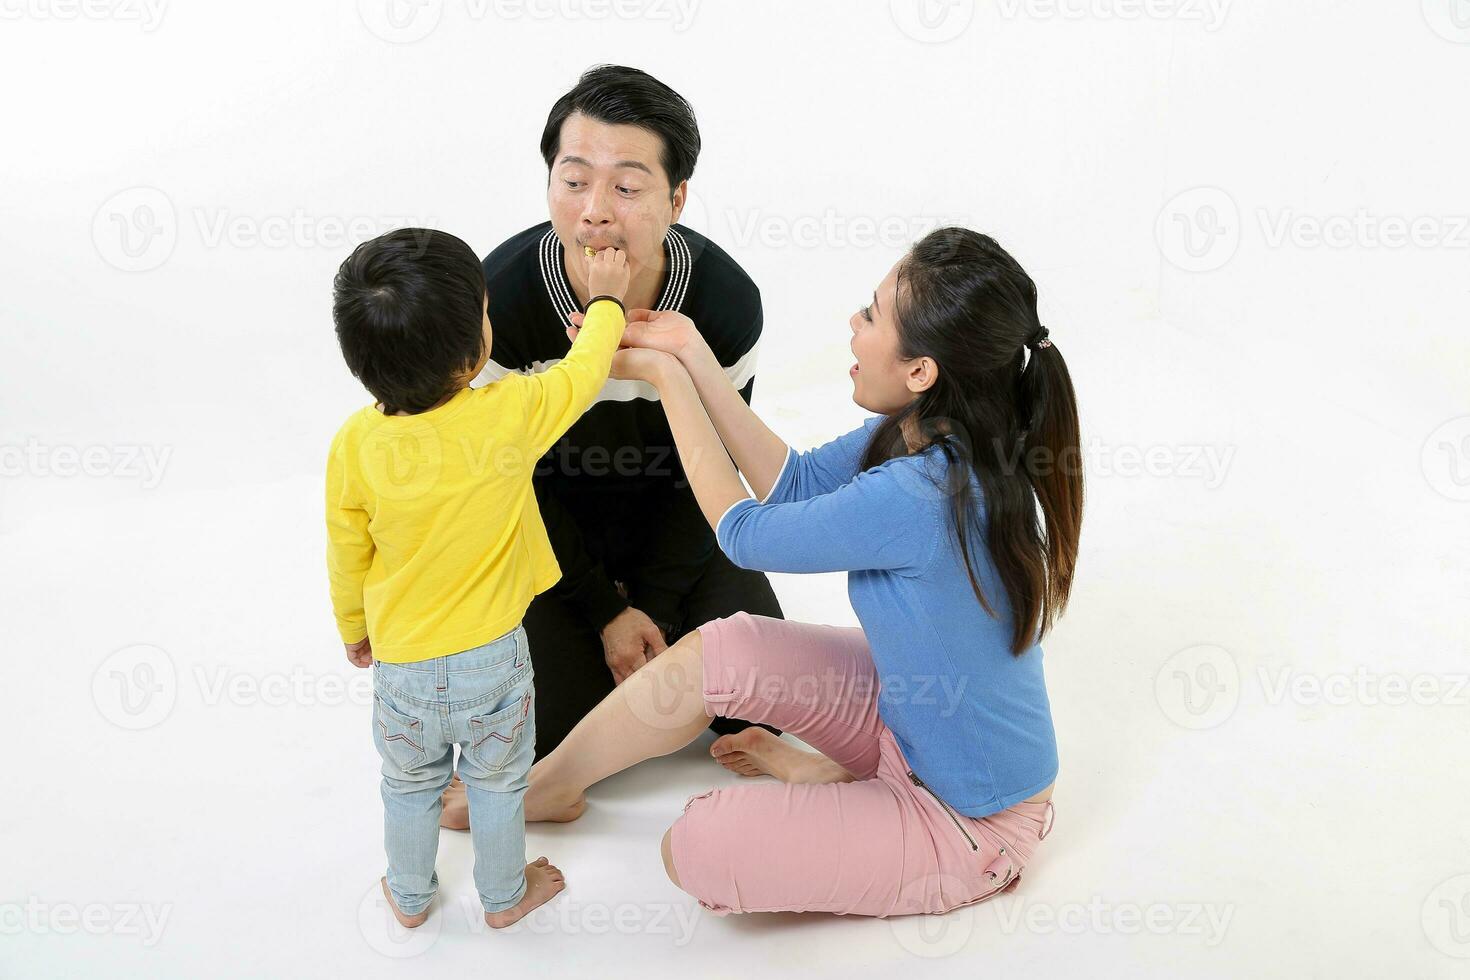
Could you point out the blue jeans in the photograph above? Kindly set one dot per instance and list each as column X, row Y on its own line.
column 482, row 700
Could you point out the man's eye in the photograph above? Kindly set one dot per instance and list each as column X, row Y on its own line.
column 572, row 183
column 627, row 190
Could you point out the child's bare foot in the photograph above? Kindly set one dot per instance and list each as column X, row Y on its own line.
column 543, row 881
column 756, row 752
column 456, row 814
column 545, row 800
column 406, row 921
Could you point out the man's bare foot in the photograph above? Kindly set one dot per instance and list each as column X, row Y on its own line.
column 756, row 752
column 406, row 921
column 456, row 814
column 547, row 801
column 543, row 881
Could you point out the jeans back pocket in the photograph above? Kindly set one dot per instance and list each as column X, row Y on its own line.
column 495, row 735
column 400, row 736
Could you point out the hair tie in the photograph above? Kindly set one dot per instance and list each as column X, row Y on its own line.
column 1039, row 339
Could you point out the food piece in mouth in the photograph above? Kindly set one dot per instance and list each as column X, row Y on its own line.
column 589, row 250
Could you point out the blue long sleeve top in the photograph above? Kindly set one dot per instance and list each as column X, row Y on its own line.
column 972, row 719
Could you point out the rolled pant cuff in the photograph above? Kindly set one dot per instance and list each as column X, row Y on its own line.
column 489, row 906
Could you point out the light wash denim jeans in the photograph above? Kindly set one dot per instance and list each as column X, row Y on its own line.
column 482, row 700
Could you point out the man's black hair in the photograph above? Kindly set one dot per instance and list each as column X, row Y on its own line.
column 615, row 94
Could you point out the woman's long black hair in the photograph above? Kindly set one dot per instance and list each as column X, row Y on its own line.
column 965, row 302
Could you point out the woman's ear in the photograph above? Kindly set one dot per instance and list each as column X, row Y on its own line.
column 923, row 372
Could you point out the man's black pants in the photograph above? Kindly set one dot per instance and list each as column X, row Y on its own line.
column 566, row 652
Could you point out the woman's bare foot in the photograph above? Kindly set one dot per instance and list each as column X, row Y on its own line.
column 456, row 814
column 406, row 921
column 756, row 752
column 543, row 881
column 547, row 801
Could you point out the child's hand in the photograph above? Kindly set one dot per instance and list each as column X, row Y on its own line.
column 360, row 654
column 607, row 273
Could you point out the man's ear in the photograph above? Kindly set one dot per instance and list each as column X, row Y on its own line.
column 923, row 372
column 681, row 194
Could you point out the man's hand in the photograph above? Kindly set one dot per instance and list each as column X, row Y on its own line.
column 360, row 654
column 629, row 642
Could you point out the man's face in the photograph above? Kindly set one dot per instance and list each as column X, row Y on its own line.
column 608, row 187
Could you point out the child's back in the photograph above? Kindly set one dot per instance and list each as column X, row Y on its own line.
column 436, row 548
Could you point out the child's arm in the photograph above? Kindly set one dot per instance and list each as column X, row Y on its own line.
column 349, row 555
column 558, row 396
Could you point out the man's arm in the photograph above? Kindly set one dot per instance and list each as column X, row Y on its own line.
column 584, row 582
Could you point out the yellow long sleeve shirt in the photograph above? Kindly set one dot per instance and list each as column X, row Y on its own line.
column 434, row 540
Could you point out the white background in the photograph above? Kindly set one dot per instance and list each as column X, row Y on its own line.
column 1259, row 690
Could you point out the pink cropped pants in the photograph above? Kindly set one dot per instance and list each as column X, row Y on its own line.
column 881, row 845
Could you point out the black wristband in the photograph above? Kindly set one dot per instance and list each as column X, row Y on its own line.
column 613, row 299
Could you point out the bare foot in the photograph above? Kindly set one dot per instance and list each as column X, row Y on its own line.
column 547, row 801
column 756, row 752
column 456, row 815
column 406, row 921
column 543, row 881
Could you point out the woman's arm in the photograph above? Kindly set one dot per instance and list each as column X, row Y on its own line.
column 758, row 452
column 716, row 483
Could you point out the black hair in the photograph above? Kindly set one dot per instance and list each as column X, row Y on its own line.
column 409, row 310
column 615, row 94
column 965, row 302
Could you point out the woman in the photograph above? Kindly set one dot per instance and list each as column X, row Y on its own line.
column 938, row 754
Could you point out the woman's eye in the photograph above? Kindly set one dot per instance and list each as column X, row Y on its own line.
column 867, row 315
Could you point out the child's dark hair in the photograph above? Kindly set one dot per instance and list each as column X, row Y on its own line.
column 409, row 310
column 964, row 301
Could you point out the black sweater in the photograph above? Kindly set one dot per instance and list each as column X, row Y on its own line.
column 612, row 491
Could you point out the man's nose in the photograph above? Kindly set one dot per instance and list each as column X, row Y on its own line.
column 596, row 211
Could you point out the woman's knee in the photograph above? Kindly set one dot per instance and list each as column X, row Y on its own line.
column 668, row 852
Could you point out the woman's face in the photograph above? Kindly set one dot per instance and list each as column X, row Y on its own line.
column 882, row 381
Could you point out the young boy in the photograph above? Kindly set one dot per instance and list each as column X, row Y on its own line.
column 436, row 547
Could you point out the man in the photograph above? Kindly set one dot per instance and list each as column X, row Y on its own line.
column 640, row 566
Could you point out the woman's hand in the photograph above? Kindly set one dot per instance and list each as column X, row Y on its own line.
column 636, row 363
column 661, row 330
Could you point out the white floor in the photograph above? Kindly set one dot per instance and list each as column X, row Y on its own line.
column 1259, row 691
column 235, row 831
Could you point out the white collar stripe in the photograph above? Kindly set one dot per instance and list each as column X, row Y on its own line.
column 554, row 273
